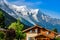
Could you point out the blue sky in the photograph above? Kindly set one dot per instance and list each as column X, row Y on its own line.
column 49, row 7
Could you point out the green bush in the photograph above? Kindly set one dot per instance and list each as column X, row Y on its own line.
column 18, row 27
column 57, row 39
column 2, row 35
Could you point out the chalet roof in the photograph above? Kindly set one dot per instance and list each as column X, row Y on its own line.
column 31, row 28
column 58, row 36
column 38, row 27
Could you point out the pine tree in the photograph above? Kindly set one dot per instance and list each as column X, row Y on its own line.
column 55, row 30
column 2, row 19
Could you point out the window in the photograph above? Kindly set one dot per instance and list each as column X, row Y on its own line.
column 30, row 31
column 36, row 30
column 30, row 38
column 47, row 33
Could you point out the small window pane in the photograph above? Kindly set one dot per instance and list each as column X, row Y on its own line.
column 30, row 38
column 35, row 30
column 30, row 31
column 47, row 33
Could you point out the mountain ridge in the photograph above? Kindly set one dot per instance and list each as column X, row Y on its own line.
column 31, row 16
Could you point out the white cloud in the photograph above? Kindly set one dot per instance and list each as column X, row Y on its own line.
column 30, row 4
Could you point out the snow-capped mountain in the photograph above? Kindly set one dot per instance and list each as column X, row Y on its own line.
column 30, row 16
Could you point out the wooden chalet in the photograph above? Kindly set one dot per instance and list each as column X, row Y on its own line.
column 39, row 33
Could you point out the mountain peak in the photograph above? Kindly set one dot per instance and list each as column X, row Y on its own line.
column 33, row 16
column 3, row 1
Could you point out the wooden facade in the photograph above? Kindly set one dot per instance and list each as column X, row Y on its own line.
column 39, row 33
column 42, row 37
